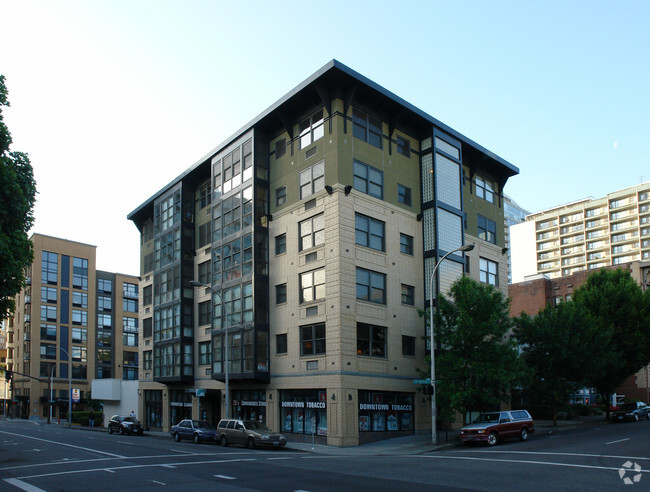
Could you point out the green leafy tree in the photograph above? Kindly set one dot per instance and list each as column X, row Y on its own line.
column 17, row 197
column 561, row 349
column 476, row 364
column 617, row 305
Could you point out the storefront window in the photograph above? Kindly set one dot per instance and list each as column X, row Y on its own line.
column 381, row 411
column 153, row 408
column 249, row 405
column 180, row 406
column 304, row 411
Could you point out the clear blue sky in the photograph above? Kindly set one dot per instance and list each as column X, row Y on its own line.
column 113, row 99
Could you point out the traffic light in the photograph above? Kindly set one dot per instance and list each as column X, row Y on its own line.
column 7, row 374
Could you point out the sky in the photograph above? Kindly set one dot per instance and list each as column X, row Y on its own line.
column 113, row 99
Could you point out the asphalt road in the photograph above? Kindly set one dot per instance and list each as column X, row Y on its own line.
column 600, row 457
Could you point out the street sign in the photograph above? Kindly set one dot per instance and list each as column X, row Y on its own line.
column 200, row 391
column 75, row 395
column 422, row 381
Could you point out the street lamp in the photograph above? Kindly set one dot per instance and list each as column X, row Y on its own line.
column 69, row 388
column 434, row 416
column 194, row 283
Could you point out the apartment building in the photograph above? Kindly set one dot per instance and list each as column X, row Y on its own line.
column 584, row 235
column 73, row 323
column 316, row 228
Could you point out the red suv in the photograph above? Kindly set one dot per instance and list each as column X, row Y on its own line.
column 492, row 427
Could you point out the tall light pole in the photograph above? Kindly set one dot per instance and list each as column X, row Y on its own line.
column 195, row 283
column 434, row 413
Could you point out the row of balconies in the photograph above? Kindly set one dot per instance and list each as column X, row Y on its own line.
column 622, row 202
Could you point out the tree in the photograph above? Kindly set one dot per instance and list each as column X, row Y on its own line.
column 476, row 365
column 616, row 304
column 17, row 197
column 561, row 349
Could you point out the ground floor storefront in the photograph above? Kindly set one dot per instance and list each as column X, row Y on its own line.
column 334, row 416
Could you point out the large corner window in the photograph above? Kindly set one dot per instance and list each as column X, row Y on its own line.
column 484, row 189
column 312, row 285
column 312, row 232
column 49, row 268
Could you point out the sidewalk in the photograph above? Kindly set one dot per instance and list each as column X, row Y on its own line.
column 414, row 444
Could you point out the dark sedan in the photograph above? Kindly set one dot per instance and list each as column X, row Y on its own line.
column 125, row 425
column 196, row 430
column 631, row 411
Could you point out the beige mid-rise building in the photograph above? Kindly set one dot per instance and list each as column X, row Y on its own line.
column 317, row 227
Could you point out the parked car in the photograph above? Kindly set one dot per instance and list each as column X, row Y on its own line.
column 492, row 427
column 249, row 433
column 631, row 411
column 125, row 425
column 197, row 430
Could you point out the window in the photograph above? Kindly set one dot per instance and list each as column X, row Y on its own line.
column 281, row 195
column 366, row 128
column 48, row 294
column 147, row 327
column 79, row 335
column 49, row 268
column 147, row 359
column 81, row 317
column 130, row 290
column 404, row 194
column 103, row 320
column 368, row 180
column 312, row 285
column 369, row 232
column 205, row 196
column 371, row 286
column 406, row 244
column 487, row 229
column 146, row 294
column 130, row 373
column 79, row 354
column 311, row 129
column 205, row 234
column 281, row 294
column 403, row 146
column 80, row 299
column 312, row 339
column 130, row 325
column 205, row 353
column 312, row 180
column 280, row 244
column 205, row 313
column 48, row 313
column 104, row 286
column 280, row 148
column 281, row 343
column 80, row 273
column 408, row 295
column 104, row 303
column 408, row 346
column 484, row 189
column 48, row 332
column 312, row 232
column 371, row 340
column 104, row 338
column 130, row 305
column 48, row 351
column 167, row 249
column 488, row 272
column 205, row 272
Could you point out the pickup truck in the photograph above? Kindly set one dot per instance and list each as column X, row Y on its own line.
column 492, row 427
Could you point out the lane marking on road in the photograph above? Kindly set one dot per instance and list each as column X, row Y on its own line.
column 280, row 458
column 159, row 483
column 620, row 440
column 225, row 477
column 22, row 485
column 529, row 462
column 545, row 453
column 182, row 451
column 108, row 470
column 65, row 444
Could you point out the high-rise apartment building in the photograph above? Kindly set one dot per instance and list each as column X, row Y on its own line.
column 318, row 226
column 584, row 235
column 73, row 323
